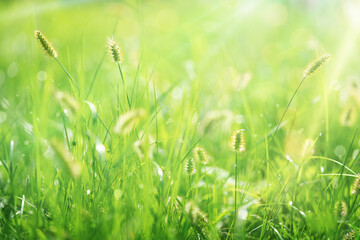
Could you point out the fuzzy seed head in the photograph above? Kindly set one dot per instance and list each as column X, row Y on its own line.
column 114, row 50
column 308, row 148
column 315, row 65
column 166, row 172
column 351, row 235
column 341, row 210
column 46, row 45
column 128, row 121
column 190, row 168
column 200, row 155
column 70, row 166
column 68, row 101
column 356, row 186
column 349, row 115
column 195, row 215
column 140, row 149
column 238, row 141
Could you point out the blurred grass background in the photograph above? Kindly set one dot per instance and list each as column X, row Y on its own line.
column 243, row 58
column 213, row 44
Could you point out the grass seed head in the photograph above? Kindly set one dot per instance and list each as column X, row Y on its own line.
column 46, row 45
column 238, row 141
column 114, row 50
column 308, row 148
column 216, row 118
column 341, row 210
column 190, row 168
column 348, row 116
column 200, row 155
column 195, row 215
column 67, row 100
column 356, row 186
column 315, row 65
column 140, row 149
column 351, row 235
column 198, row 220
column 72, row 167
column 127, row 121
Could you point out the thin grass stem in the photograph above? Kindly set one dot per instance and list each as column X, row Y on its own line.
column 124, row 85
column 68, row 74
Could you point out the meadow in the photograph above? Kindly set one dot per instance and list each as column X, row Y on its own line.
column 179, row 119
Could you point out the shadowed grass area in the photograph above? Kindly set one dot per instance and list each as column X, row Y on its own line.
column 126, row 132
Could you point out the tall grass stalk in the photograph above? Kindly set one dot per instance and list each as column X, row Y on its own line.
column 49, row 50
column 124, row 85
column 114, row 51
column 235, row 192
column 68, row 74
column 313, row 67
column 238, row 145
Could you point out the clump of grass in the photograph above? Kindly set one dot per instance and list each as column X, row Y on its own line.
column 115, row 199
column 47, row 47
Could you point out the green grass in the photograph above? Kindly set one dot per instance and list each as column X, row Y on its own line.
column 92, row 149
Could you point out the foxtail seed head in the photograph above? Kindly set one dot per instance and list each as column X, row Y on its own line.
column 200, row 155
column 341, row 209
column 128, row 121
column 356, row 186
column 70, row 166
column 238, row 141
column 68, row 101
column 349, row 115
column 352, row 235
column 114, row 50
column 46, row 45
column 140, row 149
column 315, row 65
column 190, row 167
column 195, row 215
